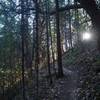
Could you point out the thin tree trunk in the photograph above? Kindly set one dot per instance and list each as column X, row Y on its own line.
column 60, row 68
column 47, row 33
column 53, row 62
column 23, row 52
column 69, row 19
column 37, row 49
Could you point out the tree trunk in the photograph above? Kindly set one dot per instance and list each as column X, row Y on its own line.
column 48, row 40
column 92, row 9
column 23, row 44
column 37, row 49
column 60, row 68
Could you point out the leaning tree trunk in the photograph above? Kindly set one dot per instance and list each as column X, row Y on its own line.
column 92, row 9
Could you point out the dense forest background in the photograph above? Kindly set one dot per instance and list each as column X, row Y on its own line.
column 48, row 46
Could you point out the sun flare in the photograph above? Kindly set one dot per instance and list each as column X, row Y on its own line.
column 86, row 36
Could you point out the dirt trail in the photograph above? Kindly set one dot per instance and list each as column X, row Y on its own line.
column 67, row 86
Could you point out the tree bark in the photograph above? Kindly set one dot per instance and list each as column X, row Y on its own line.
column 23, row 51
column 60, row 68
column 92, row 9
column 48, row 41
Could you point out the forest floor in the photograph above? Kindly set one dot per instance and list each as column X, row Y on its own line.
column 66, row 87
column 81, row 79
